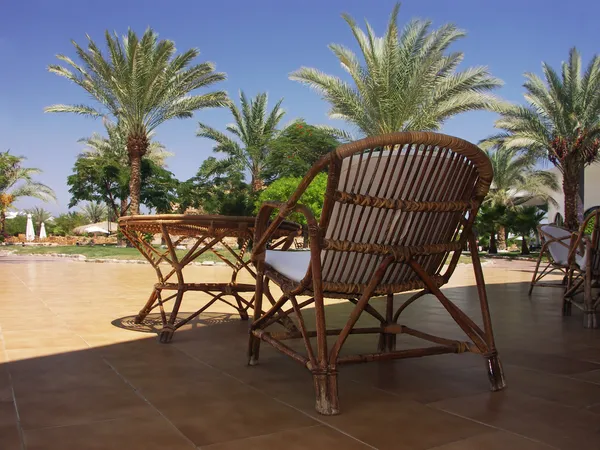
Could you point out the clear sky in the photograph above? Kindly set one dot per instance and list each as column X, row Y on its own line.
column 257, row 43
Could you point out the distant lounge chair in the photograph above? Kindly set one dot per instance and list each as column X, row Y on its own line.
column 398, row 210
column 584, row 272
column 556, row 244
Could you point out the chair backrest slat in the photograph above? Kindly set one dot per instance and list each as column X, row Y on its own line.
column 403, row 194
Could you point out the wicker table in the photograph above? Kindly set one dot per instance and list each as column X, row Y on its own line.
column 202, row 233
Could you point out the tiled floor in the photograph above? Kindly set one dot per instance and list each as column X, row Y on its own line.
column 70, row 378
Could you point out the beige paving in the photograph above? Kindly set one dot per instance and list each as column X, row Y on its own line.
column 73, row 377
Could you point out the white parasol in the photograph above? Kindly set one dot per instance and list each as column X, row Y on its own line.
column 43, row 231
column 29, row 232
column 95, row 229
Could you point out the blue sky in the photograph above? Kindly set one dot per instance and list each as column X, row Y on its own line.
column 257, row 43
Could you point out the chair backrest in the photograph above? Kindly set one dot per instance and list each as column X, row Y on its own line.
column 401, row 194
column 593, row 259
column 558, row 242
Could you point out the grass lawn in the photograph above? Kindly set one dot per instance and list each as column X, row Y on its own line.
column 101, row 252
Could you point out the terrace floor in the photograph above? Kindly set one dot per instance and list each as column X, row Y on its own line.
column 72, row 378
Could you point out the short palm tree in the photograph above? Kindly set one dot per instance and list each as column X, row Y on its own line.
column 408, row 81
column 94, row 212
column 560, row 124
column 516, row 181
column 140, row 84
column 255, row 128
column 524, row 221
column 17, row 182
column 39, row 215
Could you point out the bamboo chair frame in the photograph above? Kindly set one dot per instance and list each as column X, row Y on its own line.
column 207, row 234
column 417, row 188
column 551, row 266
column 584, row 280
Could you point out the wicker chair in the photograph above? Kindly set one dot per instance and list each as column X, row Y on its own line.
column 556, row 245
column 397, row 208
column 584, row 272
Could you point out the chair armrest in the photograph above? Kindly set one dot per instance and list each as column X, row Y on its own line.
column 263, row 230
column 579, row 242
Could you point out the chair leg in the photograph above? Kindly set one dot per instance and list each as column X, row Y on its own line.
column 495, row 373
column 326, row 392
column 535, row 272
column 387, row 341
column 254, row 341
column 589, row 313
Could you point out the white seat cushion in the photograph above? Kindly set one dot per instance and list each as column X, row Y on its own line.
column 559, row 252
column 292, row 264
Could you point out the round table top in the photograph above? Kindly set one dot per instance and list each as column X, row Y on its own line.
column 197, row 224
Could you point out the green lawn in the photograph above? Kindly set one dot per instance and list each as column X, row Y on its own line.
column 100, row 252
column 112, row 252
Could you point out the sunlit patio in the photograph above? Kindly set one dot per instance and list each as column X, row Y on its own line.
column 77, row 373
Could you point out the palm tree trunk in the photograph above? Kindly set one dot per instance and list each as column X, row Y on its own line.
column 2, row 221
column 137, row 146
column 571, row 192
column 257, row 183
column 501, row 237
column 493, row 249
column 524, row 247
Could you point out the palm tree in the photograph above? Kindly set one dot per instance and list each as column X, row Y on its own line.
column 255, row 129
column 94, row 212
column 560, row 124
column 141, row 85
column 39, row 215
column 525, row 220
column 408, row 81
column 17, row 182
column 516, row 182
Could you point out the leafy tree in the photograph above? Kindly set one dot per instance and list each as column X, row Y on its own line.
column 516, row 181
column 524, row 221
column 17, row 182
column 560, row 124
column 141, row 84
column 64, row 224
column 253, row 133
column 216, row 189
column 296, row 149
column 94, row 212
column 408, row 80
column 101, row 175
column 283, row 188
column 15, row 226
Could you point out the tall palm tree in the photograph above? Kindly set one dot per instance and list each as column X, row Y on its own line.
column 94, row 212
column 17, row 182
column 560, row 124
column 408, row 81
column 141, row 84
column 516, row 182
column 255, row 128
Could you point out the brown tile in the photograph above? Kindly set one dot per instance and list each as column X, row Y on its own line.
column 209, row 416
column 373, row 417
column 556, row 364
column 147, row 433
column 549, row 422
column 16, row 340
column 316, row 437
column 499, row 440
column 562, row 389
column 9, row 433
